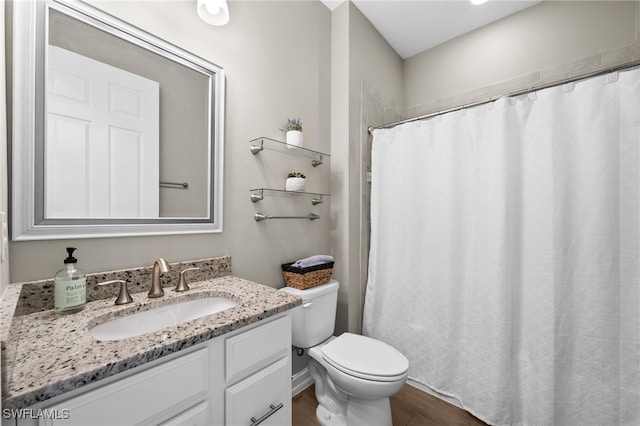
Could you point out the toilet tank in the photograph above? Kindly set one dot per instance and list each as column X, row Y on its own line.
column 313, row 322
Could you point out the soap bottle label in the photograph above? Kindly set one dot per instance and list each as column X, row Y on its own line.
column 69, row 293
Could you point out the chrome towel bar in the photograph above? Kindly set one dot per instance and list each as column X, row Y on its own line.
column 261, row 216
column 178, row 185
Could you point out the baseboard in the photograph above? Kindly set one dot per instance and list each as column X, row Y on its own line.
column 300, row 381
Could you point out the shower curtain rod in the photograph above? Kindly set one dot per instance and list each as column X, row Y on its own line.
column 509, row 95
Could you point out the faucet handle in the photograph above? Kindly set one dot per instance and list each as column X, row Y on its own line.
column 124, row 296
column 182, row 283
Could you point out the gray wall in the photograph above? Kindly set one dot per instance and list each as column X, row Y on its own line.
column 276, row 56
column 547, row 42
column 360, row 54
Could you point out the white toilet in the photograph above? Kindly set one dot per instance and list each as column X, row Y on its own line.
column 354, row 375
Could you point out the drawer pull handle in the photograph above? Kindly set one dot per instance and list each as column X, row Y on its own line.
column 265, row 416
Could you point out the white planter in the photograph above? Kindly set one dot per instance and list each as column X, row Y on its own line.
column 294, row 138
column 294, row 184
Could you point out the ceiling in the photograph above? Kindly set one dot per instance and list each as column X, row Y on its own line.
column 413, row 26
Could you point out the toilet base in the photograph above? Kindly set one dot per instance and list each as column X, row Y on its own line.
column 359, row 413
column 336, row 408
column 327, row 418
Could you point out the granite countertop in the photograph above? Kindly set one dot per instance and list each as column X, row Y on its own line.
column 48, row 354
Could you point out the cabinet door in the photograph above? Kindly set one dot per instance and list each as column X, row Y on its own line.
column 137, row 398
column 264, row 395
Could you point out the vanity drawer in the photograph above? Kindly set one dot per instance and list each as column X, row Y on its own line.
column 141, row 396
column 254, row 349
column 263, row 398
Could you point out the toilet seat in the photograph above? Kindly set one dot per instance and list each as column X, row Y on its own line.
column 365, row 358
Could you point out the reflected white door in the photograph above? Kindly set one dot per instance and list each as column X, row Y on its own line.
column 102, row 150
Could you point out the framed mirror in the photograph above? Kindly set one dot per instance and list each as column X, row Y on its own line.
column 115, row 131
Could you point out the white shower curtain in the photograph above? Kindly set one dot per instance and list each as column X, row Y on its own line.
column 504, row 256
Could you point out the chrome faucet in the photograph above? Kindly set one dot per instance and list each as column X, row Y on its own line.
column 159, row 266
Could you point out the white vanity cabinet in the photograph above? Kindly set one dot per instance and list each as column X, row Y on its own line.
column 259, row 376
column 156, row 393
column 240, row 378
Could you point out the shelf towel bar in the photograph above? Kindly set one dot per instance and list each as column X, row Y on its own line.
column 178, row 185
column 261, row 216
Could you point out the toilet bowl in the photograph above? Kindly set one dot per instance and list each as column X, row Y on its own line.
column 354, row 375
column 362, row 366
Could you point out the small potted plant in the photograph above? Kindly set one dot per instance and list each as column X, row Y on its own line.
column 293, row 129
column 295, row 182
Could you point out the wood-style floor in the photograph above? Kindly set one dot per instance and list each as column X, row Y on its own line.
column 409, row 407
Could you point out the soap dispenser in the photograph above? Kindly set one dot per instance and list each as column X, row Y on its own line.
column 69, row 286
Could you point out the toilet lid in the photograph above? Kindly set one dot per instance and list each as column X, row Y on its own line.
column 364, row 357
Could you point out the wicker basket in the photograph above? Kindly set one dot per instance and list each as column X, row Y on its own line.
column 304, row 278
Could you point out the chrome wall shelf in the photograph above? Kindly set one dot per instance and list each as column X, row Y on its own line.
column 257, row 194
column 259, row 144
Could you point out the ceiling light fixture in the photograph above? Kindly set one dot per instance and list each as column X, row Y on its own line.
column 214, row 12
column 478, row 2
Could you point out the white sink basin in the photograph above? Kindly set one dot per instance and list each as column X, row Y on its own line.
column 155, row 319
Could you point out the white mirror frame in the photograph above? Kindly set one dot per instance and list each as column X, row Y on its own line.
column 28, row 120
